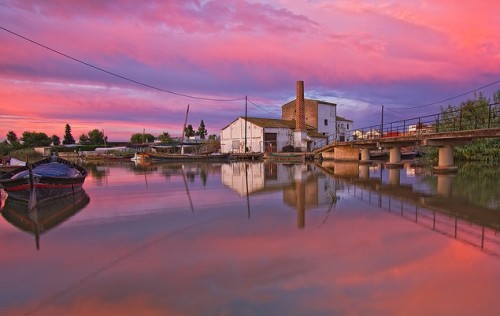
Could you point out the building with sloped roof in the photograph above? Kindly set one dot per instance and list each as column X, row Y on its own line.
column 264, row 135
column 304, row 125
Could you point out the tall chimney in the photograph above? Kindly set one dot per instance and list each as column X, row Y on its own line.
column 300, row 116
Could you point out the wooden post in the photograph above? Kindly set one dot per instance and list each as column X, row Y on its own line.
column 183, row 131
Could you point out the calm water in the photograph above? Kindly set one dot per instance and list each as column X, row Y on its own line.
column 187, row 239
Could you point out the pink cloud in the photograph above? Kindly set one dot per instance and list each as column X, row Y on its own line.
column 212, row 48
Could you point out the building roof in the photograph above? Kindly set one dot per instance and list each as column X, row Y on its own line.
column 340, row 118
column 314, row 133
column 311, row 100
column 278, row 123
column 274, row 123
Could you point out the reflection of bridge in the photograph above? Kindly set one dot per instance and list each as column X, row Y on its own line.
column 453, row 217
column 440, row 131
column 305, row 188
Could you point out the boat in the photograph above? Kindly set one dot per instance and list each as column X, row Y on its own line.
column 246, row 156
column 295, row 157
column 189, row 157
column 44, row 216
column 140, row 157
column 10, row 164
column 378, row 154
column 108, row 156
column 45, row 179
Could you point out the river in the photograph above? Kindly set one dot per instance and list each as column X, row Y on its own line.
column 258, row 238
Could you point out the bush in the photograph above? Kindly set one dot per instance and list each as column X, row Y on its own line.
column 26, row 154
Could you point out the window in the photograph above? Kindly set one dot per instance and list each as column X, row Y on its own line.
column 326, row 122
column 347, row 125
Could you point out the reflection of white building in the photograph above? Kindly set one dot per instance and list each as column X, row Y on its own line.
column 265, row 177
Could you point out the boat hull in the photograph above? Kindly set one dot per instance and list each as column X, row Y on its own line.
column 45, row 187
column 175, row 157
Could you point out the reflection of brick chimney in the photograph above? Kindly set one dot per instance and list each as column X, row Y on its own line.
column 300, row 116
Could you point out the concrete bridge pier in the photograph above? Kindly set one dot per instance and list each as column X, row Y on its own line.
column 394, row 157
column 446, row 151
column 445, row 162
column 365, row 156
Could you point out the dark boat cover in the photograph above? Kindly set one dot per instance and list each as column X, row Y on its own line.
column 51, row 169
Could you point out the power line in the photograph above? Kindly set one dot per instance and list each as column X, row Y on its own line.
column 115, row 74
column 448, row 99
column 263, row 109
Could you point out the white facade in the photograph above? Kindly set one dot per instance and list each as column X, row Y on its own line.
column 327, row 118
column 265, row 139
column 344, row 130
column 232, row 137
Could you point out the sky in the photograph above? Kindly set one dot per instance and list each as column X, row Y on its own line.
column 130, row 66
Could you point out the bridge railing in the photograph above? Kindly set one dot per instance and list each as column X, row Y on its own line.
column 468, row 118
column 449, row 120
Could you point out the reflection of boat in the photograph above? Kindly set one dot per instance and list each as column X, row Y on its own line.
column 189, row 157
column 45, row 215
column 43, row 180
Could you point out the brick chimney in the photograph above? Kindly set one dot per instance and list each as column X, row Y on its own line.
column 300, row 116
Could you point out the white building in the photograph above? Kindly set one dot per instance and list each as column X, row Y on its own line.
column 263, row 135
column 305, row 125
column 344, row 129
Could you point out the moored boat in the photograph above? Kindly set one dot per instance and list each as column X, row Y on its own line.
column 140, row 157
column 189, row 157
column 43, row 180
column 295, row 157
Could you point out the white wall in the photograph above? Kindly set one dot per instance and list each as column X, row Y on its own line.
column 235, row 134
column 327, row 112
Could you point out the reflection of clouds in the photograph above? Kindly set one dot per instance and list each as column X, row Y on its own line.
column 225, row 266
column 146, row 253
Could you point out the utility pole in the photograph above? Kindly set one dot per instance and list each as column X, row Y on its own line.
column 382, row 125
column 183, row 131
column 246, row 107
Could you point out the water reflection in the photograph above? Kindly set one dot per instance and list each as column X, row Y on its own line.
column 305, row 186
column 45, row 216
column 439, row 210
column 177, row 239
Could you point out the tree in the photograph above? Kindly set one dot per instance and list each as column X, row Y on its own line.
column 189, row 131
column 4, row 149
column 165, row 138
column 68, row 138
column 96, row 137
column 34, row 139
column 202, row 131
column 142, row 138
column 12, row 138
column 84, row 139
column 56, row 140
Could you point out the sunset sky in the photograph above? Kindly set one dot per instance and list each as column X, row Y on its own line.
column 358, row 54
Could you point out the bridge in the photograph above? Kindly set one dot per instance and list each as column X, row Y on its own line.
column 455, row 127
